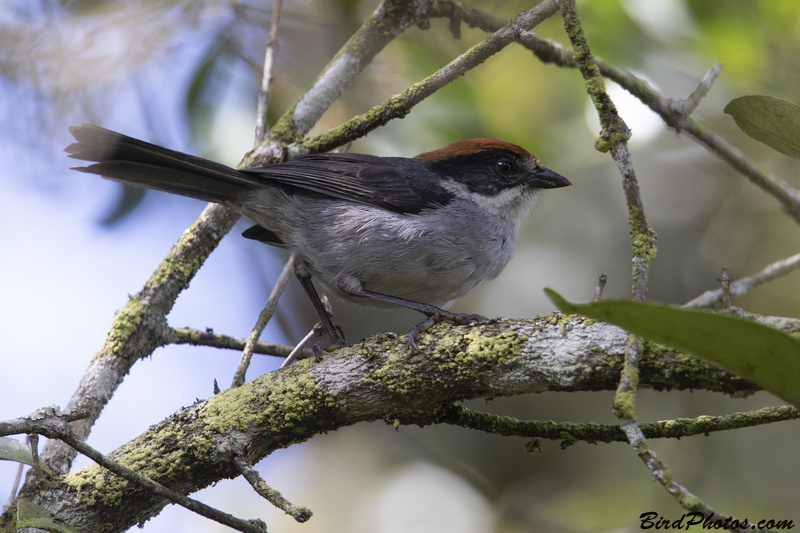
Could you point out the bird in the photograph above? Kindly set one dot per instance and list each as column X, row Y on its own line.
column 414, row 232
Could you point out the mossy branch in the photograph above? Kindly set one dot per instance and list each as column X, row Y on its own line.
column 570, row 433
column 401, row 104
column 140, row 326
column 379, row 379
column 676, row 113
column 366, row 382
column 390, row 19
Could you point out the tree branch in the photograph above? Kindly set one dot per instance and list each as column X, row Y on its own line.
column 382, row 378
column 675, row 113
column 677, row 117
column 263, row 318
column 569, row 432
column 614, row 136
column 401, row 104
column 54, row 426
column 140, row 326
column 197, row 337
column 390, row 19
column 268, row 75
column 745, row 284
column 301, row 514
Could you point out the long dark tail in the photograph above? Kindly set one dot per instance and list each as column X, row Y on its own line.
column 128, row 160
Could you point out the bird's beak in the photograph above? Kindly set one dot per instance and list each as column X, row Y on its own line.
column 544, row 178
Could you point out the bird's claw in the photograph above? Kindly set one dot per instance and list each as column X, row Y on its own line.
column 318, row 349
column 337, row 341
column 438, row 316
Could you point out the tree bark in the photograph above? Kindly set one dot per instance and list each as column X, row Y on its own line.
column 381, row 378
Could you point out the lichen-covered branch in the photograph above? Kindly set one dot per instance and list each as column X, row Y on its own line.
column 675, row 113
column 570, row 432
column 614, row 136
column 401, row 104
column 301, row 514
column 391, row 18
column 382, row 378
column 55, row 426
column 140, row 326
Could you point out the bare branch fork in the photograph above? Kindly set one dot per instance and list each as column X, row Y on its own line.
column 744, row 285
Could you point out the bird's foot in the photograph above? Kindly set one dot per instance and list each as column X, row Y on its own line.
column 436, row 315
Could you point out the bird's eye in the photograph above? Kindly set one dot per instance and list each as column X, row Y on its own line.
column 504, row 166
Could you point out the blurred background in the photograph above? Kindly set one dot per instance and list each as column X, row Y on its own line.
column 185, row 74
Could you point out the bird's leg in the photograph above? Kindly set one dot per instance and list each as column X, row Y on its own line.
column 435, row 314
column 337, row 338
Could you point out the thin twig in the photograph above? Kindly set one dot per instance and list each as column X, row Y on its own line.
column 643, row 240
column 725, row 286
column 643, row 237
column 14, row 487
column 789, row 197
column 687, row 106
column 401, row 104
column 197, row 337
column 570, row 432
column 744, row 285
column 598, row 291
column 263, row 319
column 301, row 514
column 269, row 70
column 300, row 345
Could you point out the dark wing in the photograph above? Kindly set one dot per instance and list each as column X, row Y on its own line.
column 398, row 184
column 257, row 233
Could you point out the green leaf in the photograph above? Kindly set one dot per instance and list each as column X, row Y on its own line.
column 14, row 450
column 759, row 353
column 32, row 515
column 772, row 121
